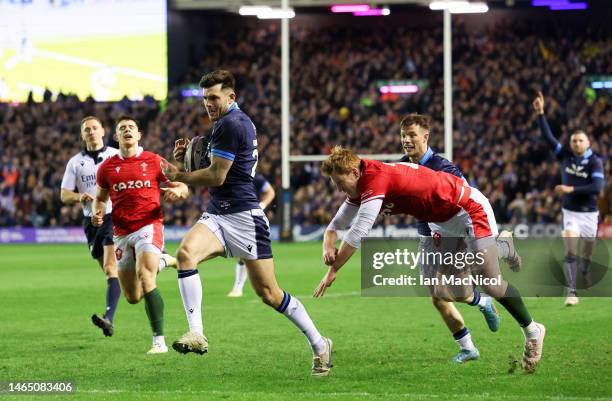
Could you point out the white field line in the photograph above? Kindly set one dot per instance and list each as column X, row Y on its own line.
column 95, row 64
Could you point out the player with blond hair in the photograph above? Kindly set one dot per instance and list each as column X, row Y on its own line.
column 452, row 208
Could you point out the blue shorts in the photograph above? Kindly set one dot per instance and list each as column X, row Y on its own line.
column 98, row 237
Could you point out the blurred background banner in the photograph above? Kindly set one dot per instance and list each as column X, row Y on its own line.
column 299, row 233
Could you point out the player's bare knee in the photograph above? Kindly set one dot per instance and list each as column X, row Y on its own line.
column 184, row 257
column 495, row 291
column 148, row 286
column 110, row 269
column 440, row 303
column 147, row 281
column 132, row 298
column 587, row 250
column 268, row 296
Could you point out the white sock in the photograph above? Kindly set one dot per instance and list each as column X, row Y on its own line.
column 465, row 342
column 531, row 331
column 159, row 340
column 503, row 250
column 295, row 311
column 191, row 293
column 483, row 299
column 162, row 265
column 241, row 276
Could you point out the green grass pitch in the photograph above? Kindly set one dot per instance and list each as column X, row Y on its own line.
column 385, row 348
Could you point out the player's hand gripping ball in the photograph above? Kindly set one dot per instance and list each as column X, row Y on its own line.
column 196, row 155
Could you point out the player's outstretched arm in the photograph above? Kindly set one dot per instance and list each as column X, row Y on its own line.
column 547, row 134
column 175, row 191
column 538, row 104
column 344, row 254
column 366, row 215
column 212, row 176
column 329, row 247
column 99, row 207
column 341, row 220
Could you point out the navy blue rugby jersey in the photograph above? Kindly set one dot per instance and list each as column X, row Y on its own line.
column 234, row 138
column 585, row 172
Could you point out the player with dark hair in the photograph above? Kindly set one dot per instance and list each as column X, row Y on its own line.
column 452, row 208
column 582, row 177
column 234, row 225
column 414, row 135
column 131, row 179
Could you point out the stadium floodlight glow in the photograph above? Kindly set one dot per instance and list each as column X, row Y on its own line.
column 546, row 3
column 601, row 84
column 386, row 89
column 277, row 13
column 373, row 12
column 349, row 8
column 190, row 93
column 568, row 6
column 472, row 8
column 253, row 10
column 557, row 5
column 443, row 5
column 459, row 7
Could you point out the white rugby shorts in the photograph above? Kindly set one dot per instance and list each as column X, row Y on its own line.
column 244, row 234
column 475, row 222
column 582, row 223
column 149, row 238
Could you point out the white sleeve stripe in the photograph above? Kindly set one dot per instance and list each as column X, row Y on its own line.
column 372, row 198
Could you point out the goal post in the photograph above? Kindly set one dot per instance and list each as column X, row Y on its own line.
column 285, row 201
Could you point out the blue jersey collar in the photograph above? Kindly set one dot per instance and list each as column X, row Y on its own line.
column 426, row 156
column 587, row 153
column 234, row 106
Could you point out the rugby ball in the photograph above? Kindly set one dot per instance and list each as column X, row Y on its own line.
column 196, row 155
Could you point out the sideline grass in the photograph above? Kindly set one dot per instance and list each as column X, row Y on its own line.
column 386, row 348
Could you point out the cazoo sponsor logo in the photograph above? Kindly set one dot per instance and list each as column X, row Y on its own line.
column 120, row 186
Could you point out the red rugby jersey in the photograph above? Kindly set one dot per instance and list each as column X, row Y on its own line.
column 407, row 188
column 133, row 185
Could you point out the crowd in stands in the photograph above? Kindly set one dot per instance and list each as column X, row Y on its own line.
column 335, row 100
